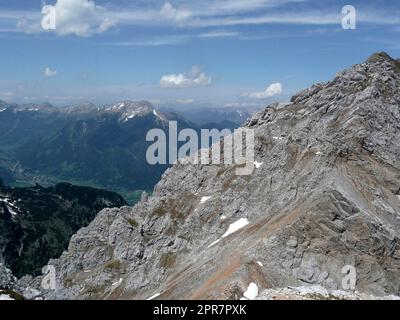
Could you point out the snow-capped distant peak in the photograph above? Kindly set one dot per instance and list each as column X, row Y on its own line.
column 159, row 115
column 130, row 109
column 11, row 206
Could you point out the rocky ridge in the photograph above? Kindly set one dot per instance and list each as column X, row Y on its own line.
column 317, row 293
column 325, row 193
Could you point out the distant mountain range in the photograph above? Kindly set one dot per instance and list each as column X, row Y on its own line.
column 205, row 117
column 89, row 145
column 37, row 223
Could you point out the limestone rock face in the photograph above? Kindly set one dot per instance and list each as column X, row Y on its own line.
column 7, row 280
column 317, row 293
column 326, row 195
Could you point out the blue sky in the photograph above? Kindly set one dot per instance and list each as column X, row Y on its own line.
column 189, row 53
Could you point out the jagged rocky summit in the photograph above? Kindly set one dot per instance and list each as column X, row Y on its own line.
column 325, row 193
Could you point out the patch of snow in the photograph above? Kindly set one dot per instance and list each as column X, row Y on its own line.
column 260, row 264
column 232, row 228
column 13, row 213
column 155, row 112
column 4, row 109
column 277, row 138
column 117, row 283
column 258, row 164
column 214, row 243
column 154, row 296
column 204, row 199
column 223, row 217
column 236, row 226
column 116, row 107
column 130, row 116
column 12, row 208
column 5, row 297
column 318, row 153
column 252, row 291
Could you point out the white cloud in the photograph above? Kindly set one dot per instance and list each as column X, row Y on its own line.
column 219, row 34
column 27, row 26
column 106, row 25
column 303, row 18
column 168, row 11
column 80, row 17
column 185, row 101
column 152, row 42
column 85, row 18
column 194, row 78
column 49, row 73
column 273, row 90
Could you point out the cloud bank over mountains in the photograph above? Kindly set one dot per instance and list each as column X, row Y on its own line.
column 195, row 78
column 272, row 90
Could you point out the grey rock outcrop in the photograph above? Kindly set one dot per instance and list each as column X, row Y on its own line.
column 7, row 280
column 326, row 195
column 317, row 293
